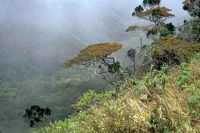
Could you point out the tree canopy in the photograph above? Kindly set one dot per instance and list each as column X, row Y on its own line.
column 162, row 11
column 151, row 3
column 95, row 58
column 95, row 51
column 190, row 30
column 193, row 7
column 36, row 115
column 154, row 13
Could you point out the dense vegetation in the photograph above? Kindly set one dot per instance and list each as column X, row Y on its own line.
column 48, row 87
column 161, row 101
column 163, row 98
column 31, row 72
column 156, row 89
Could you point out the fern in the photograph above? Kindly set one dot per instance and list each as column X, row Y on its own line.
column 188, row 88
column 192, row 99
column 195, row 93
column 183, row 76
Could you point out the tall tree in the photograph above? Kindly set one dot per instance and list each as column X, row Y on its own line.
column 193, row 7
column 190, row 30
column 151, row 11
column 96, row 59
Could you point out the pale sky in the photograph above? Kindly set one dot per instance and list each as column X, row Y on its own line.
column 82, row 18
column 58, row 12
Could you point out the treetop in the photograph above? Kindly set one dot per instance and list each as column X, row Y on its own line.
column 132, row 27
column 171, row 43
column 163, row 11
column 145, row 28
column 151, row 2
column 92, row 51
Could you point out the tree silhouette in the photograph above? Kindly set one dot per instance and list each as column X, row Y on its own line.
column 151, row 3
column 131, row 54
column 37, row 115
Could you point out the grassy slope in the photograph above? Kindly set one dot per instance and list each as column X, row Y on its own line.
column 161, row 101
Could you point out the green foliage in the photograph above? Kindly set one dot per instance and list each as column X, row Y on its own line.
column 188, row 88
column 190, row 31
column 185, row 21
column 118, row 115
column 168, row 108
column 190, row 85
column 90, row 99
column 192, row 7
column 169, row 29
column 152, row 48
column 183, row 76
column 47, row 91
column 193, row 97
column 138, row 9
column 56, row 127
column 155, row 80
column 157, row 15
column 158, row 125
column 196, row 57
column 132, row 80
column 151, row 2
column 112, row 68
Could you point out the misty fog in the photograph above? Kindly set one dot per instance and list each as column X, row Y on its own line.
column 37, row 36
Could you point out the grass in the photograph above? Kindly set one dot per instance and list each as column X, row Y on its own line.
column 166, row 101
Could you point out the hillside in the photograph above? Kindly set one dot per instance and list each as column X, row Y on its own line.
column 30, row 72
column 160, row 101
column 36, row 37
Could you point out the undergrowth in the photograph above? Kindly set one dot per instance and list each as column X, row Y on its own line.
column 166, row 101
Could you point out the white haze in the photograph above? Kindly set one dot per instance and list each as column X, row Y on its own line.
column 55, row 30
column 48, row 20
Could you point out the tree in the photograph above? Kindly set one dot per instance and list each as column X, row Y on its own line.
column 155, row 14
column 131, row 54
column 192, row 6
column 151, row 3
column 96, row 59
column 172, row 50
column 168, row 29
column 151, row 11
column 37, row 115
column 190, row 30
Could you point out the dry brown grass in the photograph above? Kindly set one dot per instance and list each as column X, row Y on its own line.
column 138, row 109
column 128, row 113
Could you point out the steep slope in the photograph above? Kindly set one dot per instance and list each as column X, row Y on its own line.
column 160, row 101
